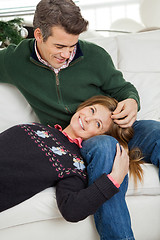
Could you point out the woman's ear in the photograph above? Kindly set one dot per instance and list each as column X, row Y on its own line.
column 38, row 35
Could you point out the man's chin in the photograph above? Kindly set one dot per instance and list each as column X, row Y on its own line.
column 57, row 66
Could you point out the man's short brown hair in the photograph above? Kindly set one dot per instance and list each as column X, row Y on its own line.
column 63, row 13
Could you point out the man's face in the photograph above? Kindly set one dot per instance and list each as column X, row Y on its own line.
column 57, row 48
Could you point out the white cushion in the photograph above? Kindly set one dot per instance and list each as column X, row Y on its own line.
column 14, row 108
column 138, row 55
column 139, row 60
column 148, row 86
column 40, row 207
column 150, row 185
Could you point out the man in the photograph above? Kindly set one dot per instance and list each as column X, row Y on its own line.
column 55, row 72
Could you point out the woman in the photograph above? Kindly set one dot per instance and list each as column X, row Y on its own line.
column 34, row 157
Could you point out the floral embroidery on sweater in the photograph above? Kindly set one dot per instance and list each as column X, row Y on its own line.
column 43, row 134
column 78, row 162
column 51, row 152
column 58, row 150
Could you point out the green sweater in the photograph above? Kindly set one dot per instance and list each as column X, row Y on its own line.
column 55, row 98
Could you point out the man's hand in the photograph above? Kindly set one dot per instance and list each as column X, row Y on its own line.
column 126, row 113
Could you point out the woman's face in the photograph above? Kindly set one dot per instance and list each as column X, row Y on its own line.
column 90, row 121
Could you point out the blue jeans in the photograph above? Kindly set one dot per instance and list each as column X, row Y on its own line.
column 112, row 219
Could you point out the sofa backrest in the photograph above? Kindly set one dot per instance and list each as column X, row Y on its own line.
column 139, row 60
column 14, row 108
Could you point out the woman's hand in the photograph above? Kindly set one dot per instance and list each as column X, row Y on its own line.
column 121, row 165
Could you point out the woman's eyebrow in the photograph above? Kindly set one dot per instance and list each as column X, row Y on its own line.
column 95, row 108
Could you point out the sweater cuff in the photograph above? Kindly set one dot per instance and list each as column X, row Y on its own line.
column 106, row 186
column 114, row 181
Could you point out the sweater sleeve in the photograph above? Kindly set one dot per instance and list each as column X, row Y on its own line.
column 116, row 86
column 109, row 79
column 76, row 202
column 3, row 73
column 6, row 60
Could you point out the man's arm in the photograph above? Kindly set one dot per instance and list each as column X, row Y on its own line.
column 3, row 72
column 124, row 92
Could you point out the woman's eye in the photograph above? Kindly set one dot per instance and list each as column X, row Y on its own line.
column 98, row 124
column 92, row 109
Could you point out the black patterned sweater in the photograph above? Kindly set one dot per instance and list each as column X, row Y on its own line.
column 34, row 157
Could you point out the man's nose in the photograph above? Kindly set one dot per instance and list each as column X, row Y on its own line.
column 66, row 53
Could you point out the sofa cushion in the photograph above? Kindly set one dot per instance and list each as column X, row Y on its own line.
column 139, row 60
column 14, row 107
column 149, row 186
column 40, row 207
column 139, row 55
column 139, row 52
column 148, row 86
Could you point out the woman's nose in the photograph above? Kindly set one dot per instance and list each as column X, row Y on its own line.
column 88, row 119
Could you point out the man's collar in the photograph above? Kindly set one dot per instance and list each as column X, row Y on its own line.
column 78, row 54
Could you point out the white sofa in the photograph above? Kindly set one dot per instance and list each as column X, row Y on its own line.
column 138, row 57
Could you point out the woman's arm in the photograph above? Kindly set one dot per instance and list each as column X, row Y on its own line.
column 76, row 202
